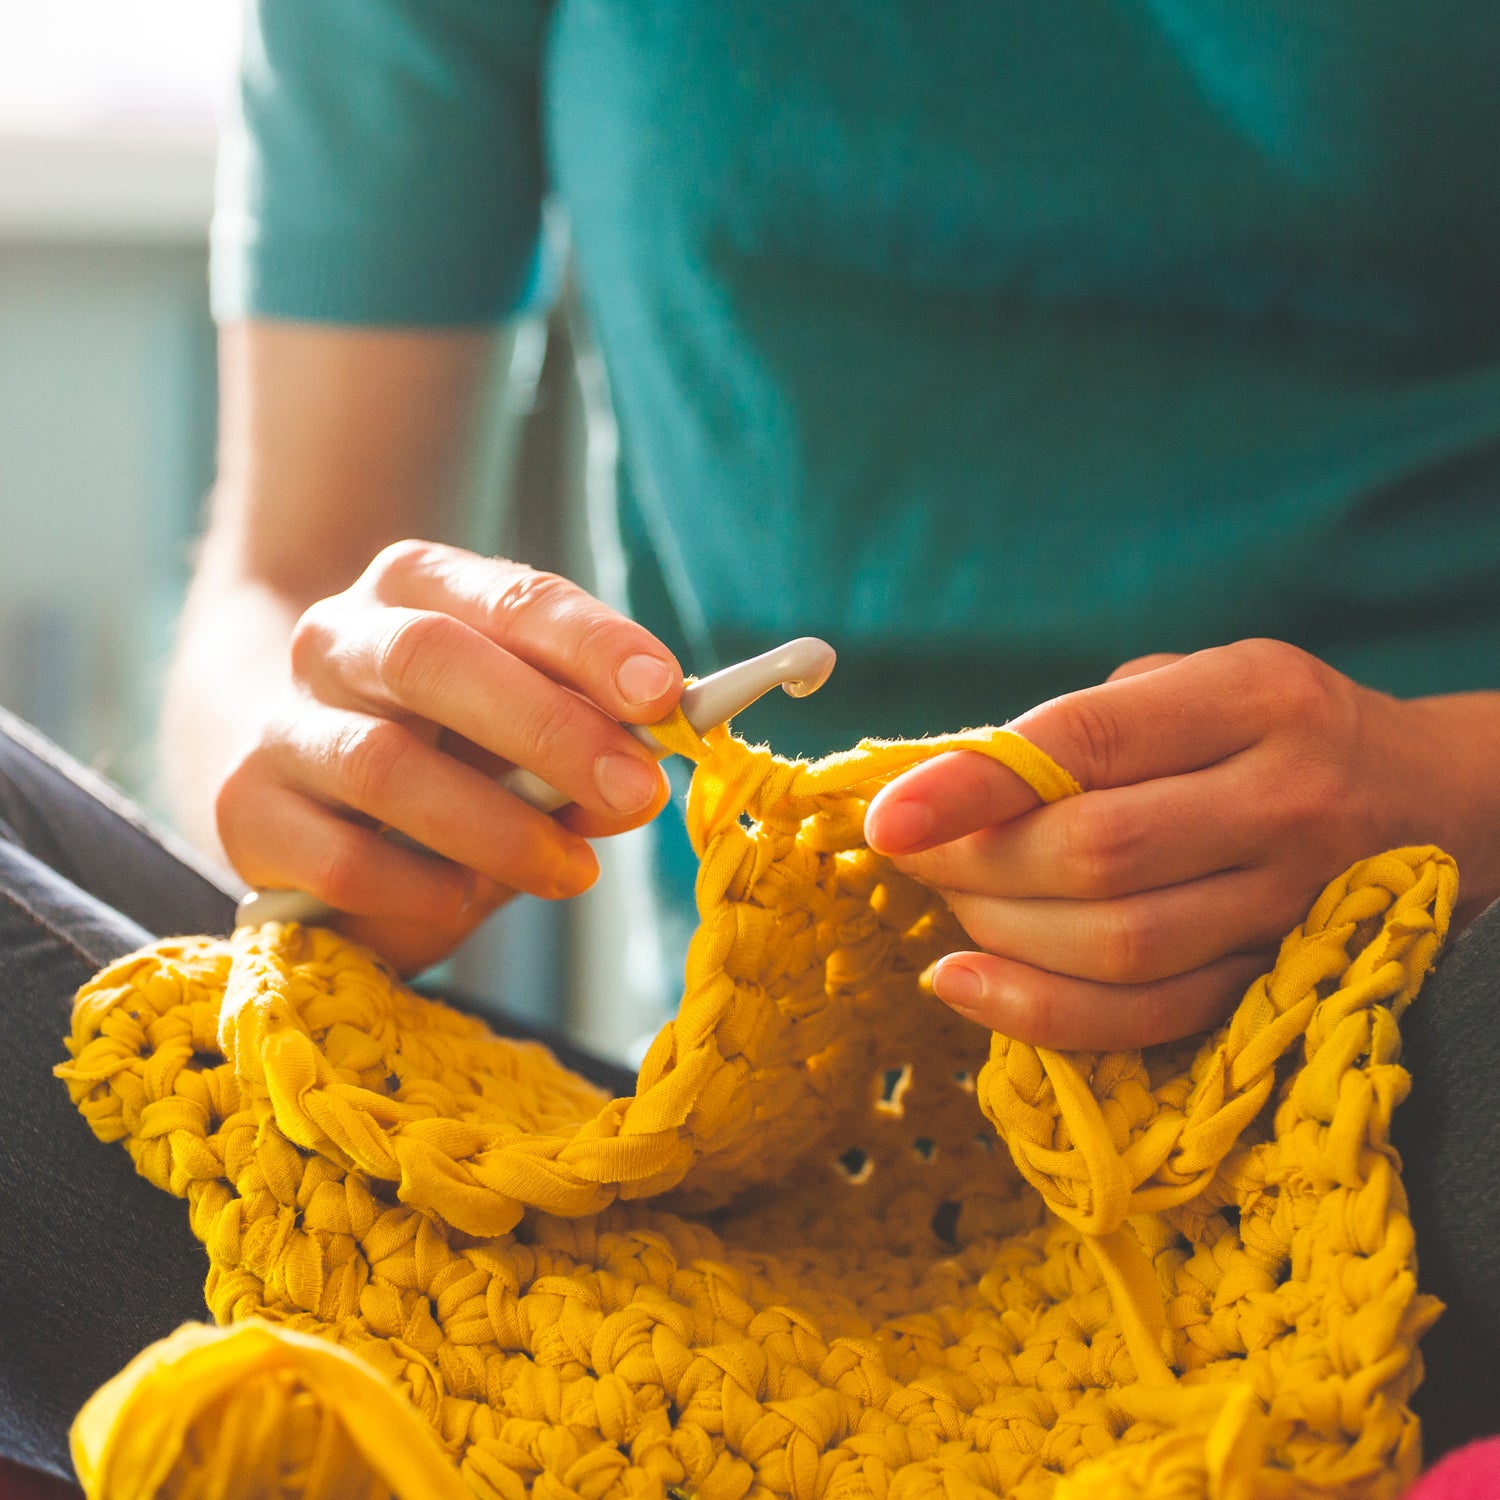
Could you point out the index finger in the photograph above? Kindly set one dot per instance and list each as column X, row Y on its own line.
column 1167, row 721
column 1185, row 714
column 542, row 618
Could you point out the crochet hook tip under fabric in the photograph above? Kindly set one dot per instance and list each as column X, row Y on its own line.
column 799, row 667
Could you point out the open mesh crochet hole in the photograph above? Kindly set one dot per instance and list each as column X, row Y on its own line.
column 856, row 1165
column 894, row 1083
column 986, row 1143
column 965, row 1080
column 925, row 1147
column 945, row 1221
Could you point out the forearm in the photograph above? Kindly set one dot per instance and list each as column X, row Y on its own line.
column 333, row 442
column 229, row 667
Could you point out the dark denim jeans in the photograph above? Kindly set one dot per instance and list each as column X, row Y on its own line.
column 97, row 1263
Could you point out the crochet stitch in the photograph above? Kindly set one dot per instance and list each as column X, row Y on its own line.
column 841, row 1243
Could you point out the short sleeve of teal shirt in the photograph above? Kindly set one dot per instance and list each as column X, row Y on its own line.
column 384, row 165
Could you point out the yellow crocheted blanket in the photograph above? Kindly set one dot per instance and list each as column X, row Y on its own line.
column 841, row 1243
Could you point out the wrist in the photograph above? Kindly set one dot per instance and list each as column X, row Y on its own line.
column 1448, row 788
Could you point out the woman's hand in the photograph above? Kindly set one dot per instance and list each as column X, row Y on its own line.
column 411, row 690
column 1222, row 791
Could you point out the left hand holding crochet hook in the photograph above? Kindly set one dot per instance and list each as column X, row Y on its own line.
column 1222, row 790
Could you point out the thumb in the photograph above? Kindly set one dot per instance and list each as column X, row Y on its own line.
column 1159, row 715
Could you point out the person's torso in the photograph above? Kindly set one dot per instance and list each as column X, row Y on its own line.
column 1038, row 336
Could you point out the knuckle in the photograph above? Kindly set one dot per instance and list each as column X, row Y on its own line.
column 1097, row 735
column 1303, row 683
column 372, row 758
column 1290, row 683
column 398, row 560
column 595, row 639
column 527, row 592
column 1250, row 655
column 338, row 872
column 1124, row 944
column 413, row 656
column 1310, row 713
column 311, row 638
column 1097, row 847
column 550, row 728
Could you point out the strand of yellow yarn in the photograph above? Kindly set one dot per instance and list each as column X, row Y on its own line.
column 840, row 1242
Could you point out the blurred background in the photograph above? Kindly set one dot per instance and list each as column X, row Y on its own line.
column 107, row 405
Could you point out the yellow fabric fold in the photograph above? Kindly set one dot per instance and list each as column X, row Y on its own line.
column 838, row 1243
column 281, row 1411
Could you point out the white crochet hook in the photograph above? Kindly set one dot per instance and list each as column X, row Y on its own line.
column 799, row 668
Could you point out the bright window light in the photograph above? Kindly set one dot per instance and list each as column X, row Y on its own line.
column 75, row 67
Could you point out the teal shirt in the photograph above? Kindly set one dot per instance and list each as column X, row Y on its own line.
column 995, row 342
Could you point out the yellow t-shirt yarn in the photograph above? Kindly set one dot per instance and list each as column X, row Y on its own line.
column 841, row 1245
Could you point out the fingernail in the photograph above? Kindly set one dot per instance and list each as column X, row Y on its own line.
column 903, row 824
column 643, row 679
column 959, row 986
column 625, row 783
column 580, row 872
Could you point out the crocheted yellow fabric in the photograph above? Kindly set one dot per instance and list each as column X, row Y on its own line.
column 842, row 1243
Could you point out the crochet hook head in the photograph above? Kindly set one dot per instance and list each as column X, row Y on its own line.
column 798, row 668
